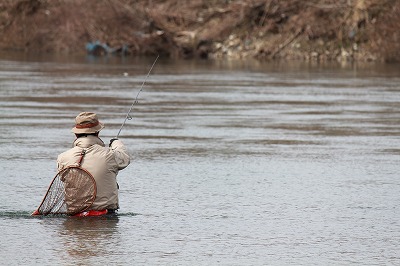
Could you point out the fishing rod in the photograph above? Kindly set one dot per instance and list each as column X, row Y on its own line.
column 128, row 117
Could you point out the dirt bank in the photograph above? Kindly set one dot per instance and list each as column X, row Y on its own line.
column 361, row 30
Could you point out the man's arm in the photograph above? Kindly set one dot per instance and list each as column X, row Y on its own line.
column 121, row 153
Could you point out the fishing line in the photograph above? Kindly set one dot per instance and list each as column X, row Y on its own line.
column 128, row 117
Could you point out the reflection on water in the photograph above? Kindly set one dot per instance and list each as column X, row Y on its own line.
column 84, row 239
column 234, row 163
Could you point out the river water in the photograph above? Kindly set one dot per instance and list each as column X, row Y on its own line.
column 233, row 163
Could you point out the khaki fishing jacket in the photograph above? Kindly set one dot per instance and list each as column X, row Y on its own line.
column 103, row 163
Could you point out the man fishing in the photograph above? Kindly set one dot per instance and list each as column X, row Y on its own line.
column 101, row 162
column 86, row 183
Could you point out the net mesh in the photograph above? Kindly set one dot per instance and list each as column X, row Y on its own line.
column 72, row 190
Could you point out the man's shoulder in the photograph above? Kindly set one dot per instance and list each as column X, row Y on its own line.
column 68, row 152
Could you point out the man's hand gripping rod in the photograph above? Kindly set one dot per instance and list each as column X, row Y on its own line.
column 128, row 117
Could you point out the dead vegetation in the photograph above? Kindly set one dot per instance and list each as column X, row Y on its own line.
column 265, row 29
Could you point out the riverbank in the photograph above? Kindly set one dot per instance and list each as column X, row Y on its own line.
column 325, row 30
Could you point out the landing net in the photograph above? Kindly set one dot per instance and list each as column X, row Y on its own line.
column 72, row 191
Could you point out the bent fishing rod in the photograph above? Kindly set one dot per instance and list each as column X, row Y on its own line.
column 128, row 116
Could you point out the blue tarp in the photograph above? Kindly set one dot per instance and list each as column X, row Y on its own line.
column 98, row 48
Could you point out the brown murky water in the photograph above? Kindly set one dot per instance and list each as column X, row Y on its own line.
column 233, row 163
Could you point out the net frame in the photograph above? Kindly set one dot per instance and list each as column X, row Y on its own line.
column 72, row 190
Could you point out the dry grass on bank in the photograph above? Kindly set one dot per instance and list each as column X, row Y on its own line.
column 265, row 29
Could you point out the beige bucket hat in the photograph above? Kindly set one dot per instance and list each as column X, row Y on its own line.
column 87, row 123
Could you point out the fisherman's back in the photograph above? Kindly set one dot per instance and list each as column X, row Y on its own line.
column 103, row 163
